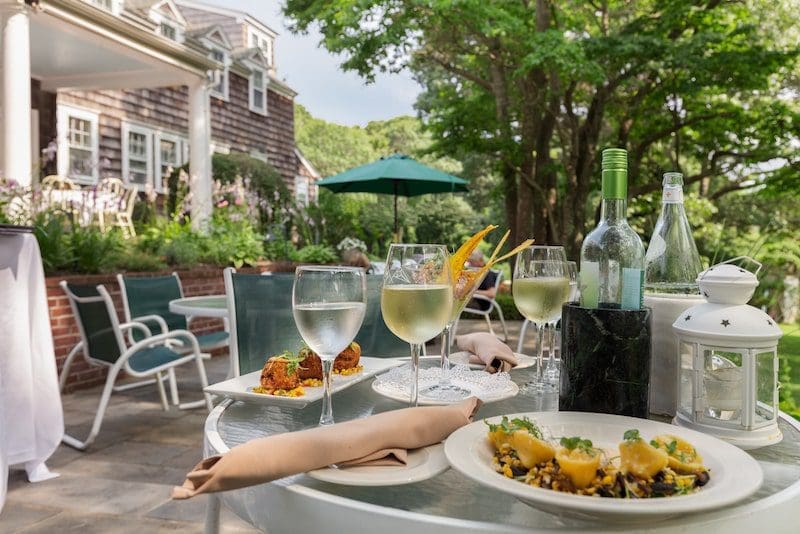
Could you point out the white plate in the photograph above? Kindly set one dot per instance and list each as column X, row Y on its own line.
column 734, row 473
column 462, row 358
column 241, row 387
column 422, row 464
column 403, row 396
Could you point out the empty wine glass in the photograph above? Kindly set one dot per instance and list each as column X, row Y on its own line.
column 416, row 298
column 540, row 287
column 328, row 304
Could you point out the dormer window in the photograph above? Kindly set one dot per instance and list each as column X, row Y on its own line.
column 262, row 42
column 169, row 31
column 109, row 5
column 258, row 91
column 220, row 90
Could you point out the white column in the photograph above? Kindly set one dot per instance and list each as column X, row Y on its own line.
column 16, row 98
column 200, row 153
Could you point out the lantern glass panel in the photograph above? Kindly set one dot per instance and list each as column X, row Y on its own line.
column 686, row 373
column 765, row 387
column 722, row 384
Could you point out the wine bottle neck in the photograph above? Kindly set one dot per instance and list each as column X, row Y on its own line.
column 613, row 209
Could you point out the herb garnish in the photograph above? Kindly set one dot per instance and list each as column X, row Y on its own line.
column 576, row 442
column 631, row 435
column 509, row 427
column 670, row 447
column 292, row 361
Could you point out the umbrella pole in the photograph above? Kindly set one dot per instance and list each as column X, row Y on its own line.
column 396, row 235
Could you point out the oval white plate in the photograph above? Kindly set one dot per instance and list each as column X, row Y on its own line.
column 734, row 473
column 462, row 358
column 422, row 464
column 403, row 396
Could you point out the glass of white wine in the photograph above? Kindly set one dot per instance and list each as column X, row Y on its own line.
column 416, row 298
column 328, row 304
column 540, row 287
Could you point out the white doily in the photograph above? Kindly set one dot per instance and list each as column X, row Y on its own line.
column 480, row 383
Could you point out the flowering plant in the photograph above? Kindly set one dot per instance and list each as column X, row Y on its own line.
column 349, row 243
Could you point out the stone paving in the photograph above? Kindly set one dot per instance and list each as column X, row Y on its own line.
column 122, row 483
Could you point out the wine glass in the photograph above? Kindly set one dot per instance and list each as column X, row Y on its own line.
column 328, row 304
column 572, row 271
column 463, row 289
column 416, row 298
column 540, row 287
column 552, row 372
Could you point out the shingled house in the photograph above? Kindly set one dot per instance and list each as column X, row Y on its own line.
column 130, row 88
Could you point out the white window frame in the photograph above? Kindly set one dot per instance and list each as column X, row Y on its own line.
column 63, row 115
column 301, row 185
column 251, row 90
column 127, row 129
column 173, row 27
column 225, row 94
column 260, row 38
column 114, row 7
column 181, row 150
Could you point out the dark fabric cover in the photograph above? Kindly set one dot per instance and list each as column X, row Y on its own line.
column 151, row 296
column 101, row 341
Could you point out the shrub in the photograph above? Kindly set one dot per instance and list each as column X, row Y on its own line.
column 233, row 241
column 135, row 260
column 51, row 231
column 93, row 251
column 320, row 254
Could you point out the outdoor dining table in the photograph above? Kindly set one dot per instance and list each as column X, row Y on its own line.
column 450, row 502
column 215, row 306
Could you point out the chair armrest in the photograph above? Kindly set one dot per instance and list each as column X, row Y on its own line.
column 163, row 338
column 482, row 297
column 136, row 325
column 157, row 318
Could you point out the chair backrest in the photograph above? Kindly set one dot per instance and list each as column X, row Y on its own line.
column 55, row 181
column 498, row 279
column 260, row 318
column 151, row 296
column 375, row 338
column 97, row 321
column 111, row 185
column 128, row 201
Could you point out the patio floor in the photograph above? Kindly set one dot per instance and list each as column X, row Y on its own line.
column 122, row 483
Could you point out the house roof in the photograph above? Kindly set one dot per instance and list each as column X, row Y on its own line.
column 212, row 32
column 307, row 164
column 234, row 13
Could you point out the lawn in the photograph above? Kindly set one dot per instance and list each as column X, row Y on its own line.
column 789, row 353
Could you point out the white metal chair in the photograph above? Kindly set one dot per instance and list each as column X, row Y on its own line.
column 124, row 215
column 103, row 344
column 493, row 305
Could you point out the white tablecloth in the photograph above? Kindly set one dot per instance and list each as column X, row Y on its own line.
column 31, row 418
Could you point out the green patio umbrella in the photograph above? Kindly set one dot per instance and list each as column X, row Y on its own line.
column 397, row 175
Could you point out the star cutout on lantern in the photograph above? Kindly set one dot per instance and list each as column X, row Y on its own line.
column 725, row 323
column 769, row 322
column 687, row 317
column 705, row 294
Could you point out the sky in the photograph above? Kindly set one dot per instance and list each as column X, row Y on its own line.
column 328, row 92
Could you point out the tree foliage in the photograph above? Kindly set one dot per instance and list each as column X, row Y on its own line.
column 538, row 88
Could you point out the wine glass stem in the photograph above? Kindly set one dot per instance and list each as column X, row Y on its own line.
column 413, row 397
column 327, row 407
column 447, row 335
column 539, row 352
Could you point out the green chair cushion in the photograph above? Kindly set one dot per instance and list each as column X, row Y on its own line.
column 212, row 340
column 146, row 359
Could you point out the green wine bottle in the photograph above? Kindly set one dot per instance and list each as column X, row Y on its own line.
column 612, row 255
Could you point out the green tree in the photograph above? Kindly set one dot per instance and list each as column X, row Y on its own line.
column 539, row 87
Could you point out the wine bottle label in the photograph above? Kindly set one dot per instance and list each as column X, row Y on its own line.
column 672, row 195
column 632, row 283
column 590, row 284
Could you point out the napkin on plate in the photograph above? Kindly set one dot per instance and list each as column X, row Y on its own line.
column 376, row 440
column 486, row 349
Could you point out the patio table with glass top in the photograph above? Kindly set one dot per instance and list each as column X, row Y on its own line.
column 450, row 502
column 214, row 306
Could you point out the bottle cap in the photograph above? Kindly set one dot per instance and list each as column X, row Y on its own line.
column 615, row 159
column 673, row 178
column 615, row 173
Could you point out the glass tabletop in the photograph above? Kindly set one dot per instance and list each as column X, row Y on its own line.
column 451, row 495
column 212, row 301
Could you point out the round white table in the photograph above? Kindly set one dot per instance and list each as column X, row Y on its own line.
column 450, row 502
column 215, row 306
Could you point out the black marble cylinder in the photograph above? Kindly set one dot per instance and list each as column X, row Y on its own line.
column 605, row 360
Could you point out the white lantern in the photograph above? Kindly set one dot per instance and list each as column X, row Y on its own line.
column 728, row 361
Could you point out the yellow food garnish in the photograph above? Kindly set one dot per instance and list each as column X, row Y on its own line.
column 294, row 392
column 683, row 457
column 348, row 372
column 580, row 465
column 531, row 450
column 464, row 280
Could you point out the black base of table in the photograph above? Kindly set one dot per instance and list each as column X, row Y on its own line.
column 605, row 360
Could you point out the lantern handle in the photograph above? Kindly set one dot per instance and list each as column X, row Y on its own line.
column 748, row 258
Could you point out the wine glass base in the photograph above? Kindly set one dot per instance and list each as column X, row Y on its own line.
column 539, row 387
column 446, row 393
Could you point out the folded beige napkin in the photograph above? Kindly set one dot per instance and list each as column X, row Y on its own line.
column 381, row 439
column 485, row 348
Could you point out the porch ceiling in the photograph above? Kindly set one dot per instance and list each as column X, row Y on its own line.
column 73, row 52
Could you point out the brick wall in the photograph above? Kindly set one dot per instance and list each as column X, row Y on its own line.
column 201, row 281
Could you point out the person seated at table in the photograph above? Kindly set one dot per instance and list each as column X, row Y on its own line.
column 353, row 257
column 487, row 288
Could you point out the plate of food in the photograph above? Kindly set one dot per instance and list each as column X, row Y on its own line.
column 420, row 464
column 598, row 465
column 290, row 379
